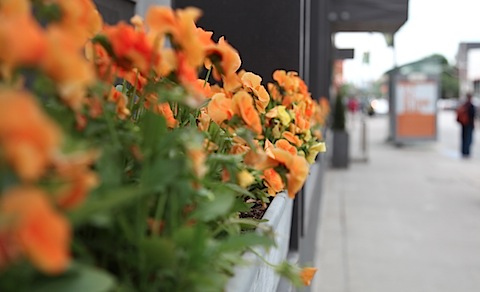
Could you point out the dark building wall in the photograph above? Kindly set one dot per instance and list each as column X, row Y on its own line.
column 321, row 49
column 113, row 11
column 266, row 33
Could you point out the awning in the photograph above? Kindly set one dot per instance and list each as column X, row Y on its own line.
column 385, row 16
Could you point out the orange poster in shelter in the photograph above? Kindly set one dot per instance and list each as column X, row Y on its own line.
column 415, row 109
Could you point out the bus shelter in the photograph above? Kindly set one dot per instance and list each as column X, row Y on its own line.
column 413, row 107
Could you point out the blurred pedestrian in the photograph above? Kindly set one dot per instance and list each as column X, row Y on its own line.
column 466, row 118
column 353, row 105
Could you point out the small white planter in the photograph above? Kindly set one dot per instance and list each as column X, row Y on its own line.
column 257, row 276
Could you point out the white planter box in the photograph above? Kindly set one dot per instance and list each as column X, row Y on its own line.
column 257, row 276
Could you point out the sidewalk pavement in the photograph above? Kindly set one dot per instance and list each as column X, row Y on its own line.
column 407, row 220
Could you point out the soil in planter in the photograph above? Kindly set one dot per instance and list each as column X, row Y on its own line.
column 256, row 212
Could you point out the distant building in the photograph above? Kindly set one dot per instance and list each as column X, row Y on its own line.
column 468, row 62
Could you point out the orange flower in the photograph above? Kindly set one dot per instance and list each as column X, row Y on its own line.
column 132, row 48
column 301, row 117
column 307, row 275
column 256, row 158
column 161, row 19
column 253, row 82
column 298, row 169
column 285, row 145
column 220, row 108
column 297, row 166
column 121, row 101
column 165, row 110
column 292, row 138
column 180, row 24
column 274, row 92
column 225, row 175
column 79, row 179
column 99, row 57
column 188, row 37
column 42, row 234
column 227, row 64
column 243, row 105
column 205, row 37
column 203, row 120
column 285, row 80
column 63, row 54
column 25, row 48
column 238, row 148
column 292, row 98
column 273, row 181
column 135, row 78
column 207, row 89
column 198, row 157
column 14, row 8
column 28, row 137
column 189, row 78
column 80, row 18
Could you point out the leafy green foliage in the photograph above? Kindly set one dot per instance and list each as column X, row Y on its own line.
column 339, row 113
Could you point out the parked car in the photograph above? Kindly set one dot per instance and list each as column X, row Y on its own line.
column 378, row 106
column 447, row 103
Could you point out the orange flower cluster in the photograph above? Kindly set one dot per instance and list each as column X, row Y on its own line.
column 55, row 49
column 288, row 126
column 33, row 228
column 139, row 49
column 29, row 224
column 159, row 61
column 32, row 225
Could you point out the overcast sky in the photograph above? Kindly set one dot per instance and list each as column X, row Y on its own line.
column 433, row 26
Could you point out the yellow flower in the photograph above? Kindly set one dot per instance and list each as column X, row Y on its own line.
column 245, row 178
column 314, row 150
column 283, row 115
column 308, row 136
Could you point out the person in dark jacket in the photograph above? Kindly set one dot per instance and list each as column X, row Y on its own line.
column 467, row 129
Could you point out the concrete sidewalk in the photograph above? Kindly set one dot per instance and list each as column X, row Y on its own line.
column 408, row 220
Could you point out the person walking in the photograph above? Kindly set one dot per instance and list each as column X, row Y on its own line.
column 466, row 118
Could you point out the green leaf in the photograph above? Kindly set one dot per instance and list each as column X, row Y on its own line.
column 241, row 206
column 238, row 189
column 110, row 168
column 153, row 128
column 220, row 205
column 242, row 241
column 159, row 253
column 79, row 278
column 162, row 172
column 113, row 199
